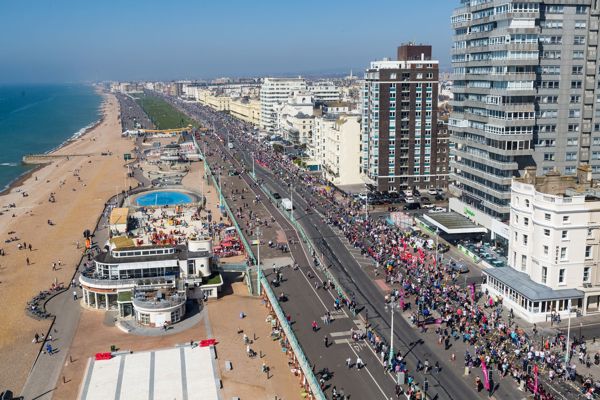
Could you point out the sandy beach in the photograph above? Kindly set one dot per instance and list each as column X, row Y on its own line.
column 81, row 186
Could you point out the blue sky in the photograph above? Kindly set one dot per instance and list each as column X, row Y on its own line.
column 65, row 41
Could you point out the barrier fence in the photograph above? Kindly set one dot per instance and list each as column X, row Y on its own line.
column 309, row 380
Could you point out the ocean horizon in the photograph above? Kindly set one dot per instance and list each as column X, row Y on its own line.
column 38, row 119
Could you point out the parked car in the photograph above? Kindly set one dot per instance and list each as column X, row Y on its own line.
column 425, row 199
column 429, row 206
column 439, row 197
column 432, row 191
column 411, row 206
column 437, row 210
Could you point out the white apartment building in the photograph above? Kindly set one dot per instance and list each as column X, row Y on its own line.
column 324, row 91
column 336, row 147
column 553, row 248
column 273, row 91
column 294, row 118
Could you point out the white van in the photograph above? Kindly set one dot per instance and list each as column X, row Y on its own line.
column 286, row 204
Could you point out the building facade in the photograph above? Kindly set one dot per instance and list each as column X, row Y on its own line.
column 294, row 119
column 149, row 283
column 272, row 92
column 553, row 251
column 337, row 147
column 399, row 116
column 524, row 94
column 245, row 109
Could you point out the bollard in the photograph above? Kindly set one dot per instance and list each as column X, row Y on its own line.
column 467, row 372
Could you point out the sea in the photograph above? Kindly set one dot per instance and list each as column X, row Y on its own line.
column 37, row 119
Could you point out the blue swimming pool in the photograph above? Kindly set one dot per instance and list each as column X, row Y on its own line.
column 163, row 198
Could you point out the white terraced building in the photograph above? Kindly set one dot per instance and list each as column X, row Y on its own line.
column 554, row 252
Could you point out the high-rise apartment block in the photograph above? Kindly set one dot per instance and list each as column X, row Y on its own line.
column 399, row 121
column 525, row 94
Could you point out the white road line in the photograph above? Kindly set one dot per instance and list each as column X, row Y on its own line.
column 371, row 375
column 343, row 333
column 341, row 341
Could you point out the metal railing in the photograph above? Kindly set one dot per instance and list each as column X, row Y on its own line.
column 305, row 365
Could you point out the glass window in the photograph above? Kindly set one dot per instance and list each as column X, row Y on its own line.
column 588, row 251
column 546, row 232
column 544, row 274
column 545, row 250
column 561, row 275
column 563, row 253
column 547, row 217
column 564, row 235
column 586, row 274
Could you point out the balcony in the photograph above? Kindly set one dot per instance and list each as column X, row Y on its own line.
column 98, row 282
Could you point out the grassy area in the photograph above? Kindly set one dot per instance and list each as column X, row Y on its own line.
column 214, row 279
column 164, row 115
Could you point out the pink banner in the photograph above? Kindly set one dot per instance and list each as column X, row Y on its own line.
column 486, row 381
column 535, row 373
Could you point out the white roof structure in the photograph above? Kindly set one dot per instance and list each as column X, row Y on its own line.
column 173, row 374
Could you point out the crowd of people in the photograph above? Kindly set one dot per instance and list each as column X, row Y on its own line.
column 461, row 316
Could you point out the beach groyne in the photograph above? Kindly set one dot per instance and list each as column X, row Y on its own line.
column 35, row 159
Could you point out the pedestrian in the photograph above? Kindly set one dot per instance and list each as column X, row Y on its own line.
column 27, row 260
column 436, row 367
column 314, row 325
column 349, row 362
column 359, row 363
column 36, row 337
column 49, row 349
column 53, row 266
column 74, row 295
column 326, row 341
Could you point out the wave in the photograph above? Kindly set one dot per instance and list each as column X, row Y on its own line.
column 76, row 135
column 8, row 164
column 35, row 103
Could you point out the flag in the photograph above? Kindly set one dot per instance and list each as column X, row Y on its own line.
column 486, row 379
column 535, row 373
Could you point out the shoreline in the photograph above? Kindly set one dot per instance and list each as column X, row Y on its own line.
column 20, row 180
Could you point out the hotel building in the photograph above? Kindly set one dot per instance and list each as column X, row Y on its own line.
column 554, row 252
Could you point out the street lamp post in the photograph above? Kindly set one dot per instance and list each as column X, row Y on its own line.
column 366, row 204
column 393, row 304
column 437, row 239
column 568, row 335
column 292, row 200
column 258, row 261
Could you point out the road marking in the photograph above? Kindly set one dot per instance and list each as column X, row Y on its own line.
column 343, row 333
column 369, row 372
column 341, row 341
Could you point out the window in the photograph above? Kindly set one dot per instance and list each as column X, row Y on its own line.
column 580, row 24
column 575, row 99
column 566, row 219
column 575, row 84
column 548, row 156
column 523, row 262
column 564, row 235
column 579, row 40
column 571, row 156
column 577, row 70
column 547, row 217
column 527, row 203
column 586, row 274
column 525, row 240
column 526, row 221
column 516, row 219
column 546, row 232
column 546, row 250
column 573, row 127
column 544, row 274
column 588, row 252
column 578, row 55
column 561, row 275
column 563, row 253
column 578, row 9
column 516, row 237
column 590, row 232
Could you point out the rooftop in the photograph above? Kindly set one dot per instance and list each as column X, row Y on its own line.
column 178, row 373
column 181, row 253
column 453, row 223
column 522, row 283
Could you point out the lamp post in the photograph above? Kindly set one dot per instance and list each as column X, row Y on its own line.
column 366, row 204
column 568, row 335
column 437, row 240
column 292, row 200
column 258, row 261
column 393, row 304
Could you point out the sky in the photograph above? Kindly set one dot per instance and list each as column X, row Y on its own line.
column 71, row 41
